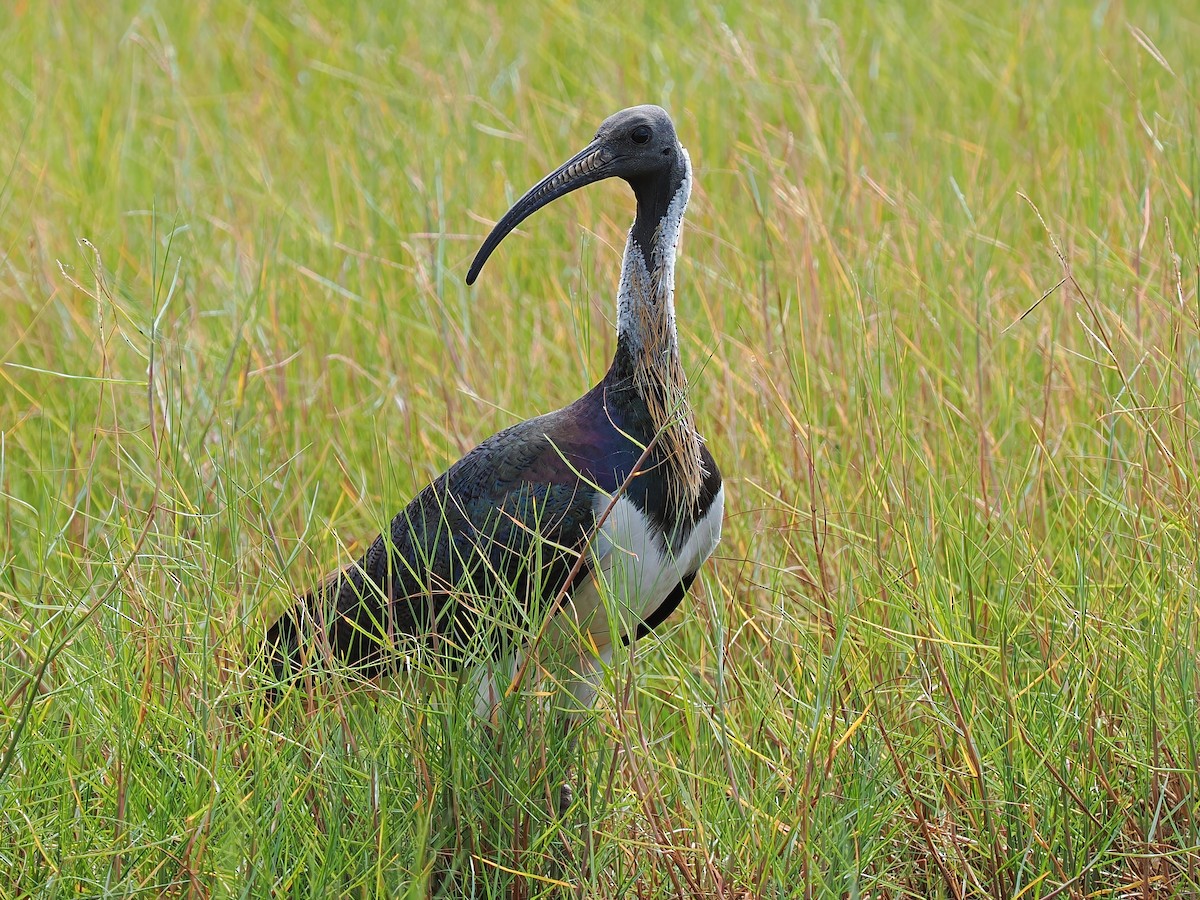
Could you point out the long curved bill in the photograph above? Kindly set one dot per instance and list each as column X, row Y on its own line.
column 588, row 165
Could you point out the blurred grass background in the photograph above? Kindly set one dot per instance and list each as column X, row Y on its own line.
column 949, row 647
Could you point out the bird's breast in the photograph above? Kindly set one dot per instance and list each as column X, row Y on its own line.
column 637, row 566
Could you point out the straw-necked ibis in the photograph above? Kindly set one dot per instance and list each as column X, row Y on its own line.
column 599, row 514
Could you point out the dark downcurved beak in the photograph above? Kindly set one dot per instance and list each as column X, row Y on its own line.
column 588, row 165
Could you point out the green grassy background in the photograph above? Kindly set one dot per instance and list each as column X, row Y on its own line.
column 949, row 644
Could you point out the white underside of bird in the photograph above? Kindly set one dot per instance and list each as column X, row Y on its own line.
column 630, row 578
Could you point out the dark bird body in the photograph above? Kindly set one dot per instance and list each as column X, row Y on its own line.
column 489, row 546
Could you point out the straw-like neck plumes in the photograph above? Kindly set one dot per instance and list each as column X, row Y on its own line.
column 646, row 323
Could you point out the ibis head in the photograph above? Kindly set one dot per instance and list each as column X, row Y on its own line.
column 637, row 144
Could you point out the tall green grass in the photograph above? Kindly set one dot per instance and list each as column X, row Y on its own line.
column 949, row 647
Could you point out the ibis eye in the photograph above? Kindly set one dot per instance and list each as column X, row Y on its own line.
column 641, row 134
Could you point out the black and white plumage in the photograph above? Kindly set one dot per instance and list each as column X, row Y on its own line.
column 507, row 523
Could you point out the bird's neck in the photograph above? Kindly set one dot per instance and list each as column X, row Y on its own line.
column 647, row 342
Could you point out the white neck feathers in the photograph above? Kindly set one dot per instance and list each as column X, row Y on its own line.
column 646, row 295
column 646, row 325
